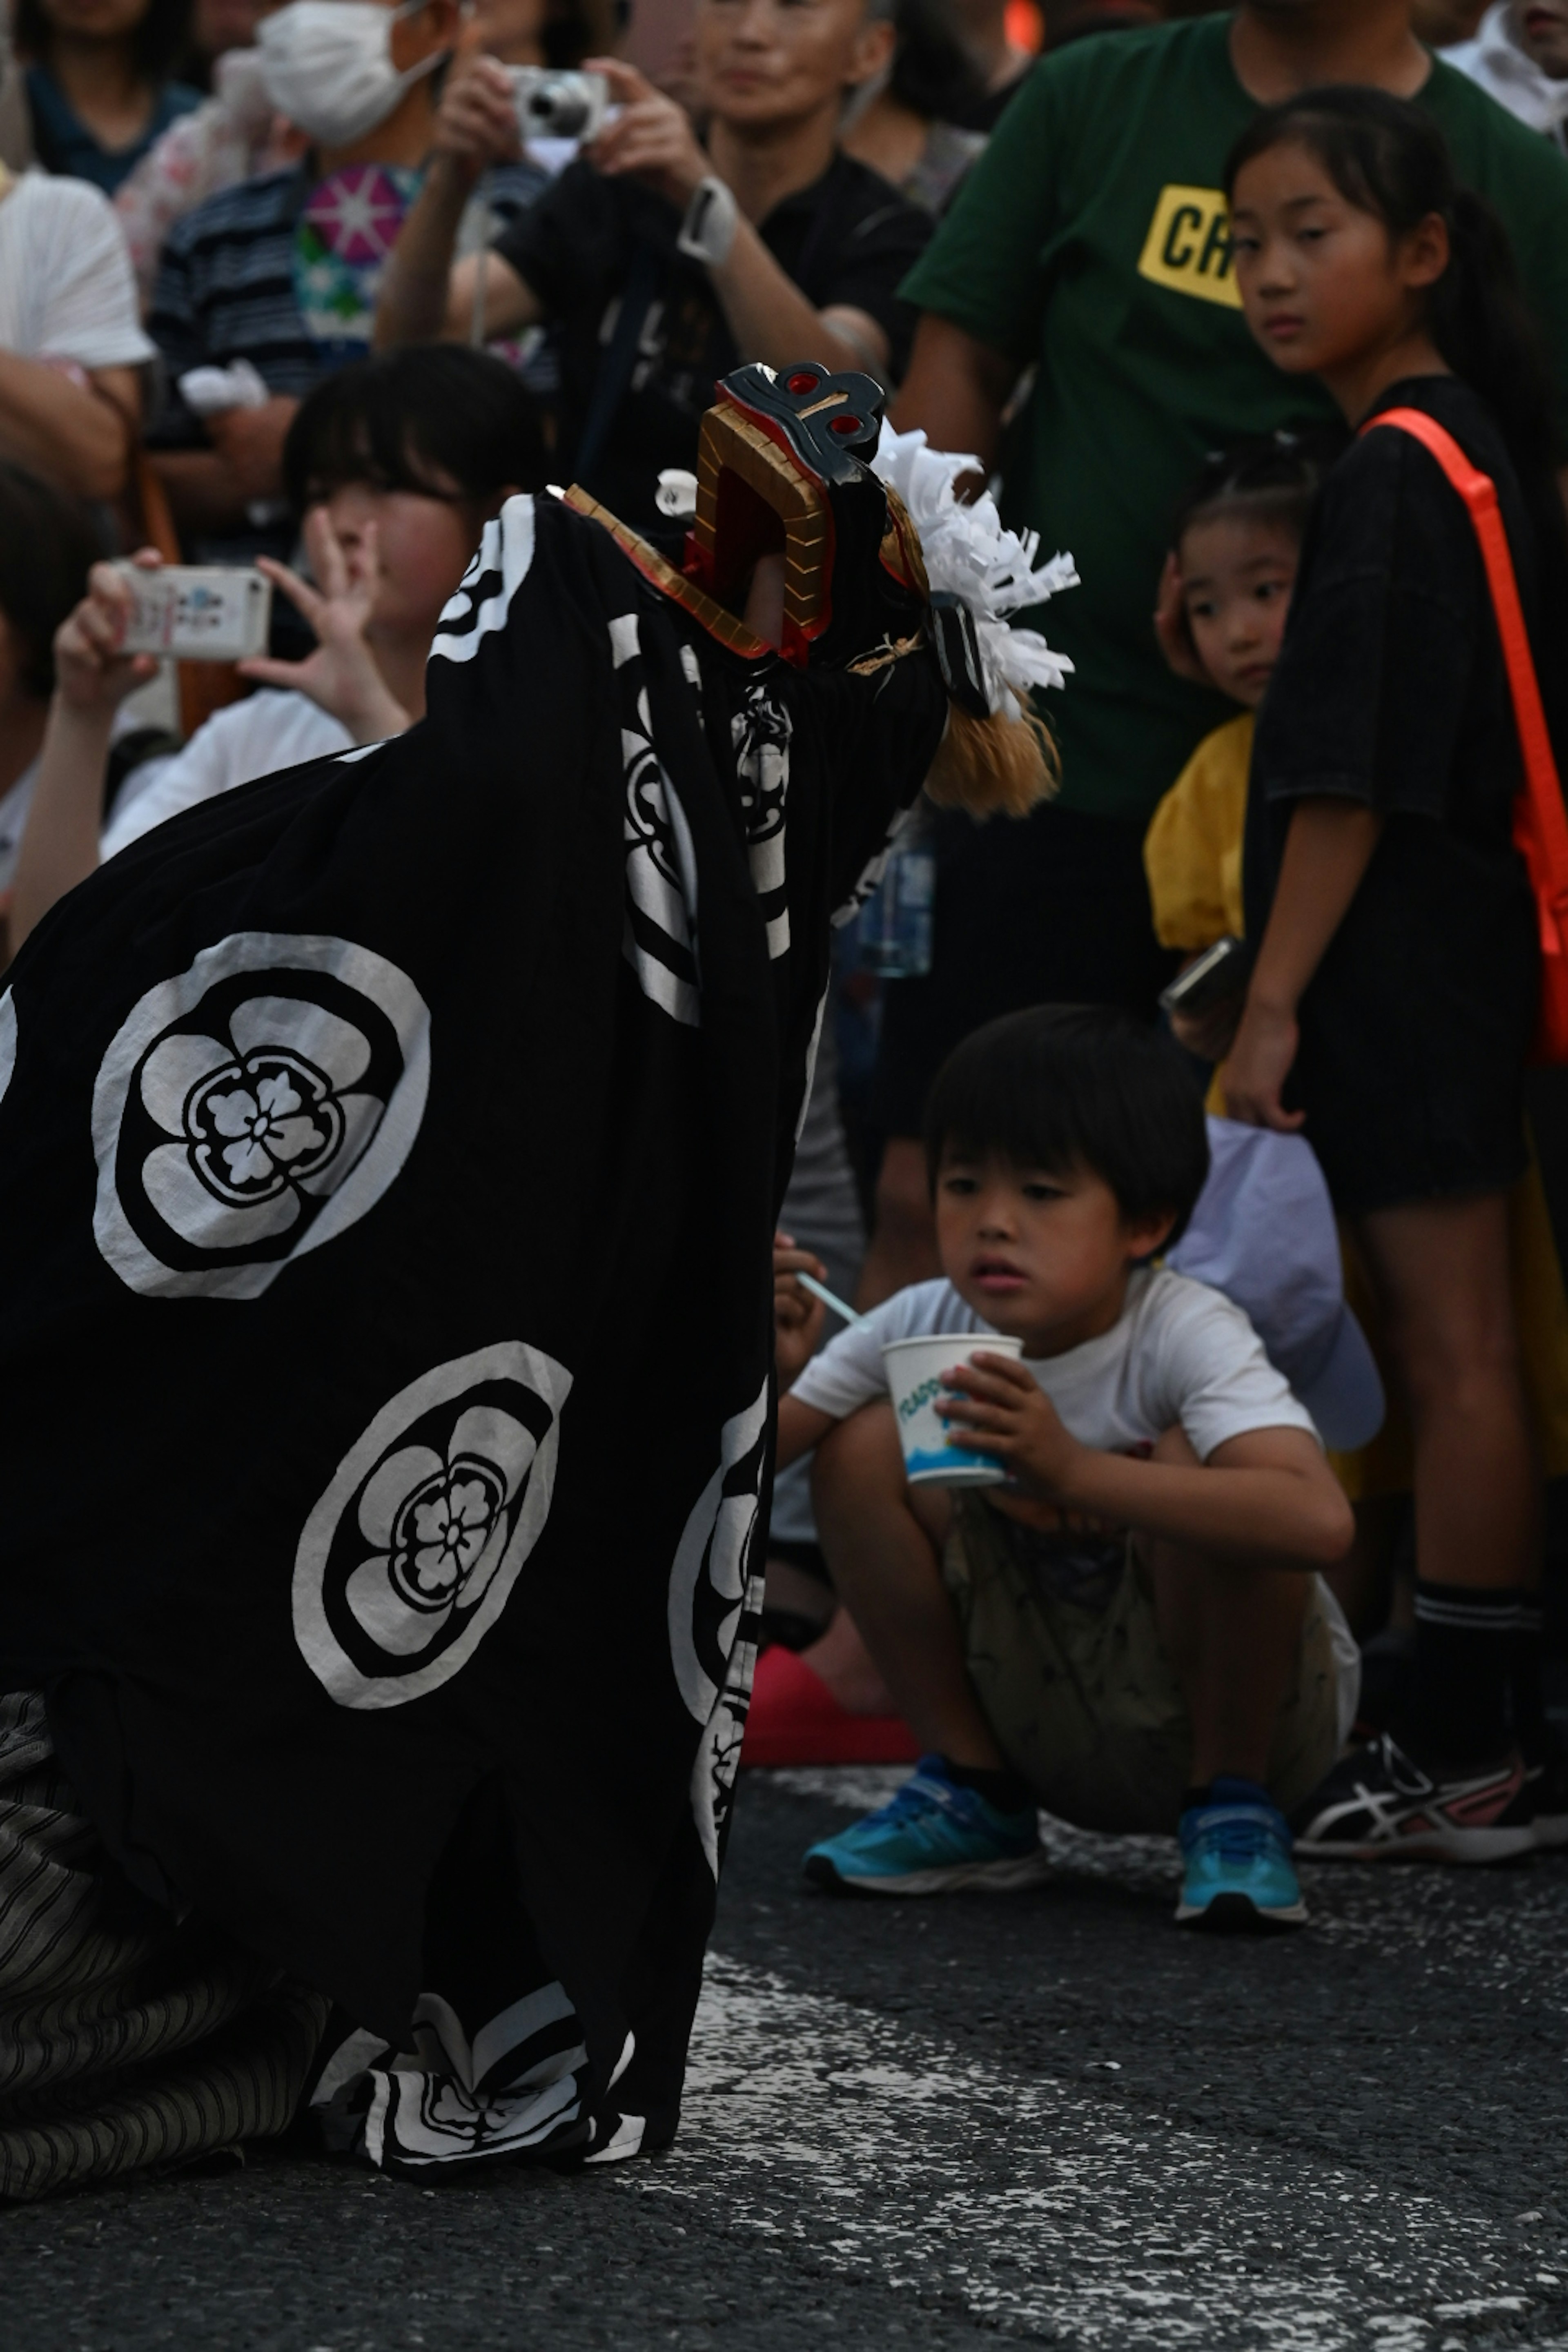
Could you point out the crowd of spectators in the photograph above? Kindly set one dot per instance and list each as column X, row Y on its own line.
column 295, row 285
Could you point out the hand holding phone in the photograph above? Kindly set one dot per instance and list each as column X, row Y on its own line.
column 1204, row 1003
column 1219, row 973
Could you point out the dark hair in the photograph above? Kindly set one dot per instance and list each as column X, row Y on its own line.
column 48, row 546
column 159, row 38
column 1275, row 479
column 400, row 420
column 576, row 30
column 1388, row 157
column 933, row 74
column 1077, row 1086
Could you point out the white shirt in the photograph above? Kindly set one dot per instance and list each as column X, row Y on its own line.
column 270, row 730
column 1181, row 1354
column 1508, row 73
column 66, row 287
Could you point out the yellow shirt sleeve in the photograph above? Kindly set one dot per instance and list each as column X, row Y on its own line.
column 1191, row 852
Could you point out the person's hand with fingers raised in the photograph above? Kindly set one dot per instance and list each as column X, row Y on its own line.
column 92, row 676
column 797, row 1316
column 1258, row 1066
column 476, row 122
column 341, row 673
column 1171, row 629
column 650, row 138
column 997, row 1406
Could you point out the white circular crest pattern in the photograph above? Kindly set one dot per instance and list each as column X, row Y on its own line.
column 407, row 1560
column 253, row 1109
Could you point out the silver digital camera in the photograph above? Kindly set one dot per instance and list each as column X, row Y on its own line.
column 559, row 105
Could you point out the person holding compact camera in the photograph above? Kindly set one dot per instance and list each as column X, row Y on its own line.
column 280, row 271
column 663, row 261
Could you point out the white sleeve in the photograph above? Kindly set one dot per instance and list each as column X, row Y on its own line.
column 88, row 310
column 1209, row 1371
column 848, row 1372
column 200, row 773
column 260, row 736
column 845, row 1375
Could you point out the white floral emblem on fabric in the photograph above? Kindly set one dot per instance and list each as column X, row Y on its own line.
column 660, row 942
column 715, row 1615
column 408, row 1558
column 482, row 598
column 253, row 1109
column 7, row 1039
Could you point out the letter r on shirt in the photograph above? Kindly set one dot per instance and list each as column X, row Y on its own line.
column 1188, row 245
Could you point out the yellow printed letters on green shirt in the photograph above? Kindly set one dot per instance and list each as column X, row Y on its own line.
column 1188, row 245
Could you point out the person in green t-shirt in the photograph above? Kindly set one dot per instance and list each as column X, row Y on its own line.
column 1091, row 243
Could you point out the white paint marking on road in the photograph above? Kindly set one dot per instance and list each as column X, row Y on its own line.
column 1043, row 2210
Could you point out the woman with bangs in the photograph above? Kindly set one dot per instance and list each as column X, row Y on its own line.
column 395, row 464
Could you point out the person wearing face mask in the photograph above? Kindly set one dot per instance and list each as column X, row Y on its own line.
column 662, row 261
column 1520, row 57
column 282, row 269
column 395, row 464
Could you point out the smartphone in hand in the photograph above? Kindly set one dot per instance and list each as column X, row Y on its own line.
column 1219, row 973
column 197, row 612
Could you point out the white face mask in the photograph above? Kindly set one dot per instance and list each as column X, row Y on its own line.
column 328, row 66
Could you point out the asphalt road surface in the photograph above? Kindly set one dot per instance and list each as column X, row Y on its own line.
column 1051, row 2118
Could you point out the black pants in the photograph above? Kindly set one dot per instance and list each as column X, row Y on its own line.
column 1054, row 910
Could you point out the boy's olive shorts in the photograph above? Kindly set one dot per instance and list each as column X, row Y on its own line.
column 1084, row 1702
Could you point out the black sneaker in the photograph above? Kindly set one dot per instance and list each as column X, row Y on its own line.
column 1379, row 1805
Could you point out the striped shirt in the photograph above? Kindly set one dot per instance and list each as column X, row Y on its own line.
column 230, row 281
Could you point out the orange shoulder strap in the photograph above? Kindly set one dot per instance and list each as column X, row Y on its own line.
column 1541, row 821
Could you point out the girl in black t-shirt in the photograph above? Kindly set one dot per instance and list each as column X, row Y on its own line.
column 1393, row 998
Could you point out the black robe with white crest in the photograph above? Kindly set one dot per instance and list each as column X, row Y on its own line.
column 389, row 1154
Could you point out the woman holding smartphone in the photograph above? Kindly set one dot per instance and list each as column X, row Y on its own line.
column 395, row 464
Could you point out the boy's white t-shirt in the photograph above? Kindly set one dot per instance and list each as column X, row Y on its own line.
column 270, row 730
column 1180, row 1353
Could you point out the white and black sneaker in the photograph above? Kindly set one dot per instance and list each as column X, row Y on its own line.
column 1379, row 1805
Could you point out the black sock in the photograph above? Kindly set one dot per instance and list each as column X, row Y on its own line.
column 1004, row 1789
column 1466, row 1639
column 1527, row 1706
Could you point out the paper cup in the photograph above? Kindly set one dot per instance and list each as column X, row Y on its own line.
column 914, row 1369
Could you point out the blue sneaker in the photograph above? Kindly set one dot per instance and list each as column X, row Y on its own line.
column 1239, row 1875
column 931, row 1838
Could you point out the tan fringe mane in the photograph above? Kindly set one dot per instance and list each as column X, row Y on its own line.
column 994, row 767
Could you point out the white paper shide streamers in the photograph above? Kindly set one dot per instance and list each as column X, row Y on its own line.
column 969, row 553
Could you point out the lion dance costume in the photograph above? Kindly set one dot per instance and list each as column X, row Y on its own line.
column 389, row 1156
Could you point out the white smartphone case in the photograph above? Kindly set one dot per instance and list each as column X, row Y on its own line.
column 198, row 612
